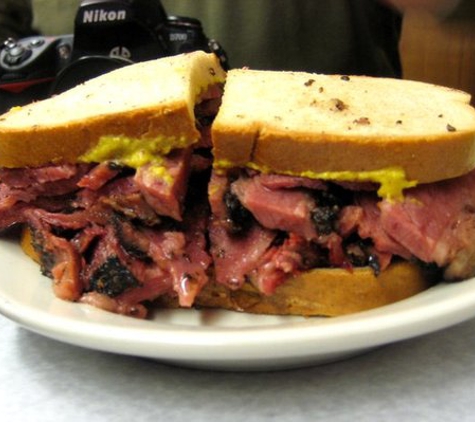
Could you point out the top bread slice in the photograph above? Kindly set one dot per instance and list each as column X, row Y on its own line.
column 147, row 100
column 301, row 123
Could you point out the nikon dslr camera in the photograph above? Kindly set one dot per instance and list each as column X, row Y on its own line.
column 108, row 34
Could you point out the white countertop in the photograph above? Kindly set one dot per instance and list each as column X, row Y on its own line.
column 429, row 378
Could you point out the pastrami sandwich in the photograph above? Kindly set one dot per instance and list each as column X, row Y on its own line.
column 328, row 194
column 108, row 176
column 333, row 194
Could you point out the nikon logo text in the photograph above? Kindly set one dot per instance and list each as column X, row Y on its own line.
column 101, row 15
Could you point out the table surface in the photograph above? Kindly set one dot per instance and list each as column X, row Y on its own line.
column 429, row 378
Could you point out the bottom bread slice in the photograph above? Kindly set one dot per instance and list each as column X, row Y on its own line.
column 319, row 292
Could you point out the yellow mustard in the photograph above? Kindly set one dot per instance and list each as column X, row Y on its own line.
column 135, row 153
column 392, row 180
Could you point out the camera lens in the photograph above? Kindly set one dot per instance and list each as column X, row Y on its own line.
column 185, row 22
column 86, row 68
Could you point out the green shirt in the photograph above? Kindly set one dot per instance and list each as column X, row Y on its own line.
column 331, row 36
column 328, row 36
column 15, row 19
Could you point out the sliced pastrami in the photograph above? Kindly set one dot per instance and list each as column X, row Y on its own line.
column 436, row 223
column 99, row 176
column 280, row 262
column 289, row 210
column 165, row 191
column 205, row 111
column 58, row 258
column 235, row 257
column 278, row 181
column 26, row 185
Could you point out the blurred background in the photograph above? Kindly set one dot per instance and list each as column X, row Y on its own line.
column 437, row 51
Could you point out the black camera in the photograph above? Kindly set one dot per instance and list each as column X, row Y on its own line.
column 108, row 34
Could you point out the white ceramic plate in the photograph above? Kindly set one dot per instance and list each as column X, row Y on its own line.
column 219, row 339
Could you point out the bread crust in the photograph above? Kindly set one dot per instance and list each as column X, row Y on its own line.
column 65, row 144
column 319, row 292
column 334, row 125
column 424, row 160
column 145, row 101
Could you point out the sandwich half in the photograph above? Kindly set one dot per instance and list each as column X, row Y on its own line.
column 107, row 179
column 333, row 194
column 321, row 195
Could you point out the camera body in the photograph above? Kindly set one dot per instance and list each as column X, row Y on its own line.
column 108, row 34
